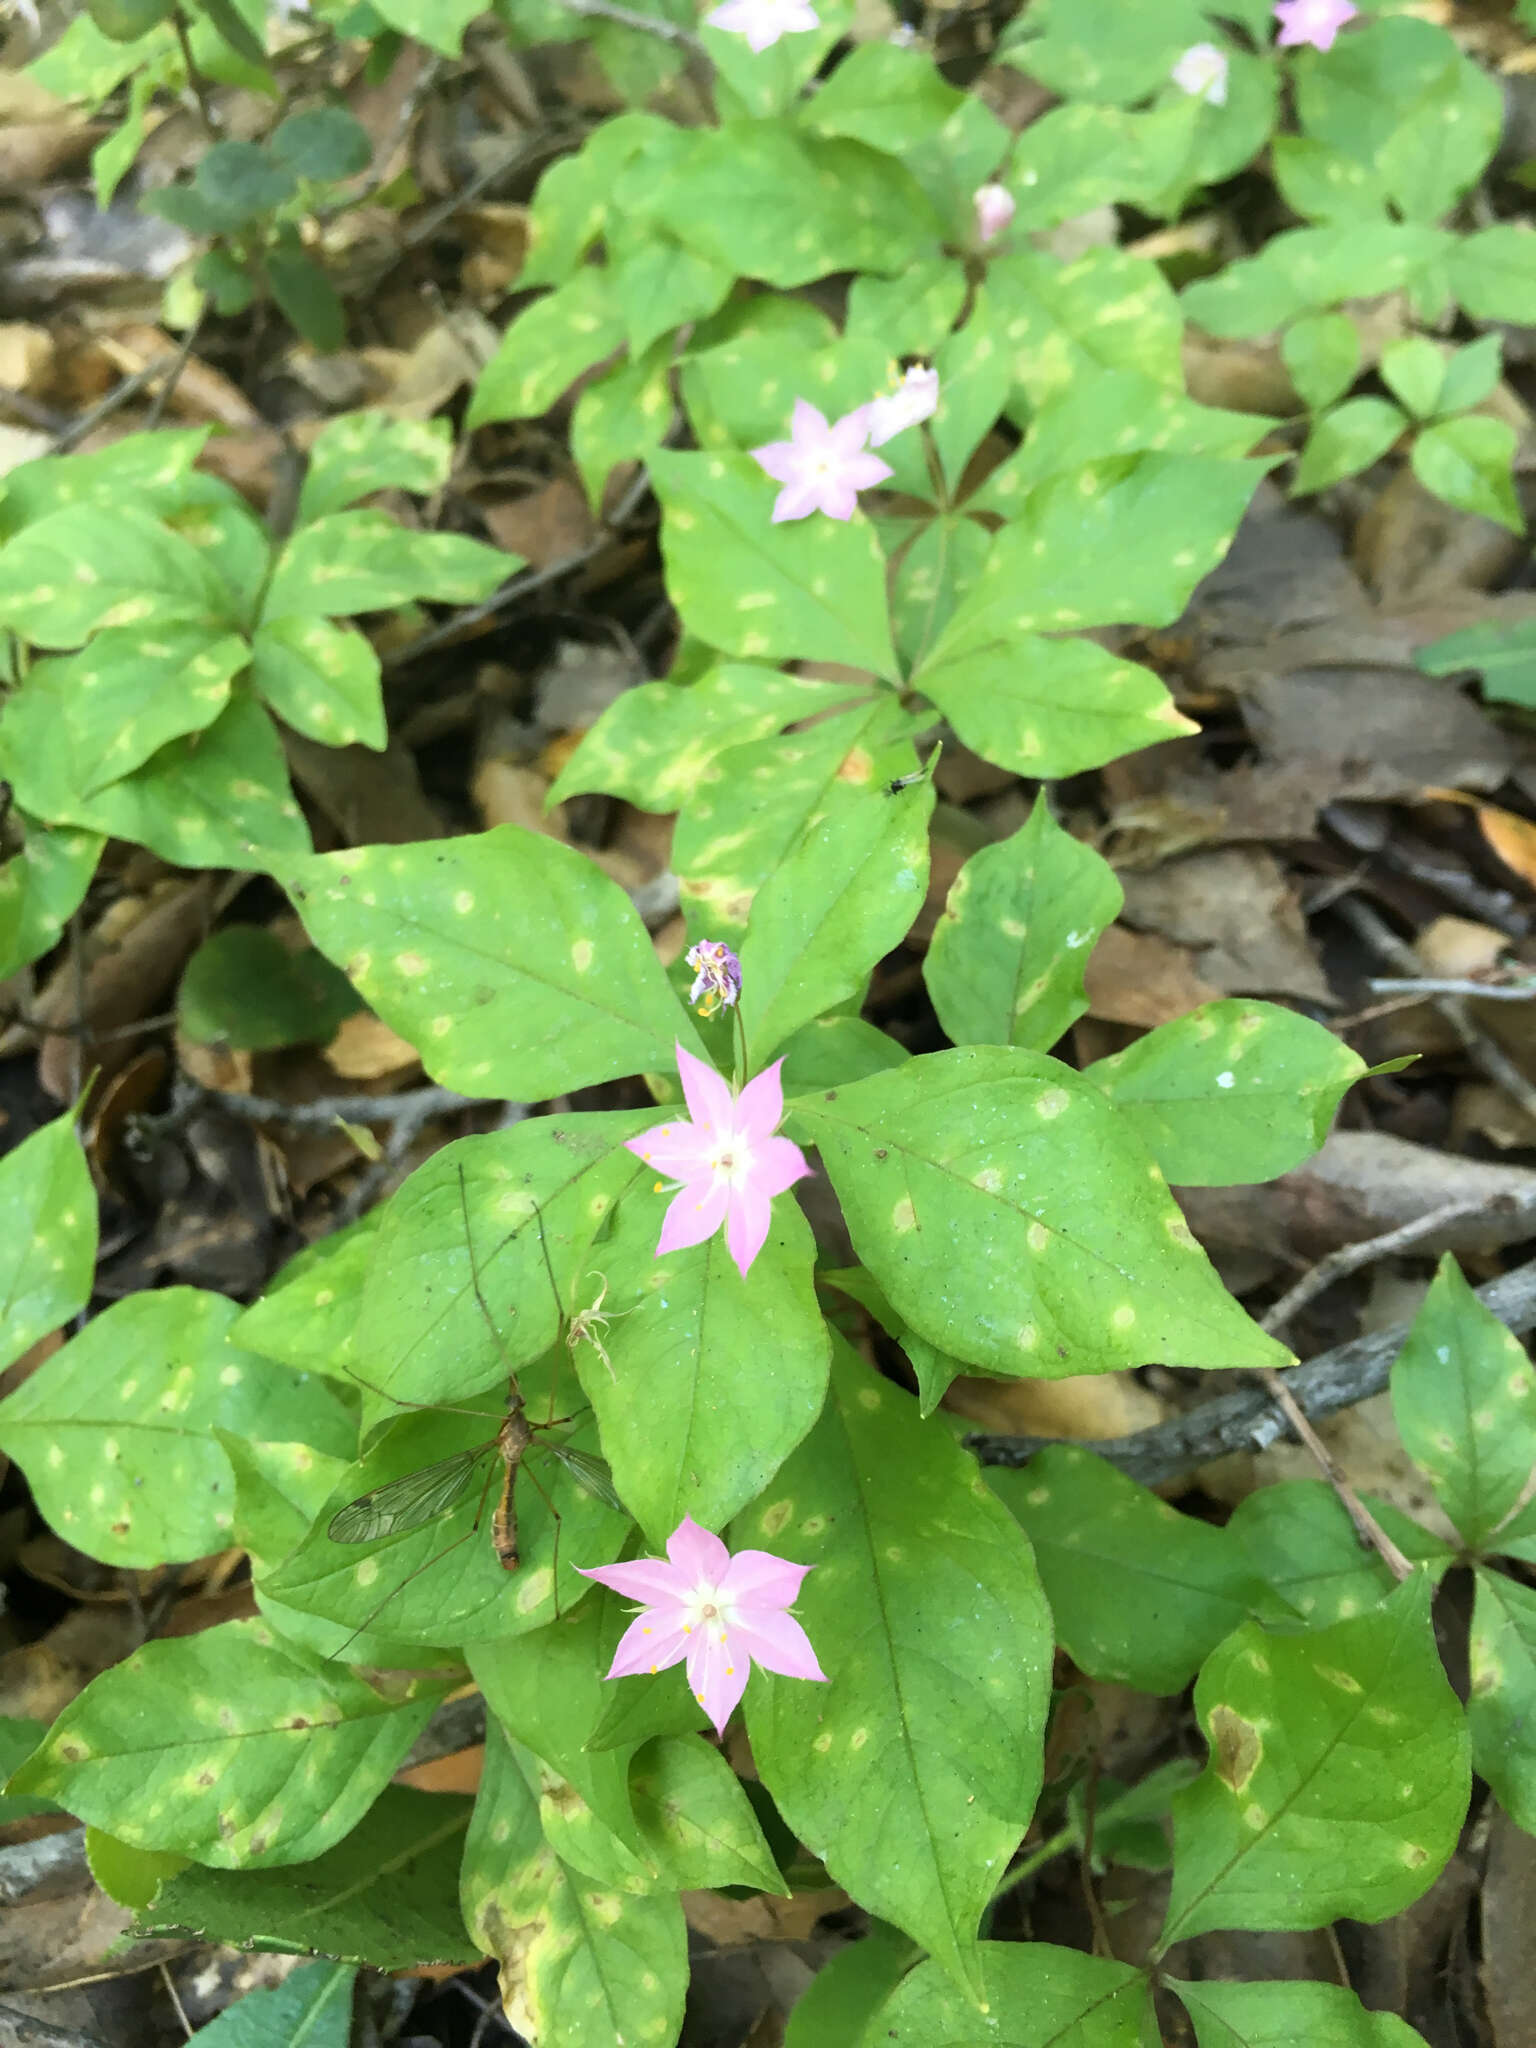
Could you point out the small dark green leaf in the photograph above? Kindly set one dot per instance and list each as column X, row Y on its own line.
column 240, row 181
column 126, row 20
column 244, row 988
column 322, row 143
column 304, row 292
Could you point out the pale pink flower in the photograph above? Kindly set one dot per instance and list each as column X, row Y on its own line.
column 1202, row 73
column 822, row 468
column 727, row 1162
column 915, row 398
column 995, row 207
column 722, row 1613
column 762, row 22
column 1311, row 21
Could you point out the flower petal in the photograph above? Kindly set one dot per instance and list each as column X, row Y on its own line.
column 781, row 459
column 709, row 1098
column 653, row 1642
column 676, row 1149
column 756, row 1578
column 700, row 1557
column 717, row 1672
column 693, row 1215
column 806, row 424
column 795, row 501
column 650, row 1580
column 760, row 1105
column 747, row 1216
column 777, row 1163
column 863, row 470
column 847, row 435
column 777, row 1642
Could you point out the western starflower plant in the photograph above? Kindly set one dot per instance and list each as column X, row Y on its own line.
column 1202, row 73
column 822, row 468
column 728, row 1161
column 762, row 22
column 720, row 1613
column 716, row 976
column 1311, row 21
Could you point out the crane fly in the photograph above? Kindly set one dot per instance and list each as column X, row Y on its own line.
column 416, row 1499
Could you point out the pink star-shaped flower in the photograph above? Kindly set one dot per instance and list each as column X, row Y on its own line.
column 721, row 1613
column 762, row 22
column 915, row 398
column 822, row 468
column 1202, row 73
column 995, row 207
column 726, row 1159
column 1311, row 21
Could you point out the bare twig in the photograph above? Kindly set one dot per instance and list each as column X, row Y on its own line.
column 181, row 2012
column 415, row 1106
column 195, row 78
column 522, row 585
column 1349, row 1258
column 1367, row 1528
column 172, row 378
column 1251, row 1420
column 1491, row 1058
column 41, row 416
column 1418, row 985
column 126, row 388
column 645, row 24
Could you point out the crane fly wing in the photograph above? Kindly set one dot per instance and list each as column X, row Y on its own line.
column 409, row 1502
column 592, row 1473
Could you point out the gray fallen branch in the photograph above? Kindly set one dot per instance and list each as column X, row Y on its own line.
column 26, row 2030
column 1428, row 985
column 1250, row 1420
column 50, row 1867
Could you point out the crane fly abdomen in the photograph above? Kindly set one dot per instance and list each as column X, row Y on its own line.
column 513, row 1440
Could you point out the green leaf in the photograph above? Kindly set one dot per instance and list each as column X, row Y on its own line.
column 41, row 888
column 755, row 803
column 1141, row 1594
column 1307, row 268
column 1338, row 1778
column 1468, row 461
column 48, row 1226
column 1471, row 373
column 1464, row 1401
column 114, row 1430
column 934, row 573
column 1322, row 355
column 308, row 1314
column 1231, row 1093
column 714, row 1379
column 1502, row 1698
column 363, row 452
column 224, row 18
column 1102, row 49
column 312, row 2008
column 1117, row 412
column 928, row 1734
column 154, row 469
column 908, row 315
column 622, row 415
column 1005, row 964
column 846, row 896
column 1301, row 1542
column 547, row 347
column 240, row 181
column 1413, row 370
column 215, row 799
column 654, row 742
column 591, row 1966
column 384, row 1895
column 1326, row 184
column 1347, row 440
column 813, row 587
column 1051, row 708
column 1075, row 158
column 230, row 1746
column 570, row 206
column 1280, row 2015
column 245, row 988
column 932, row 1369
column 322, row 679
column 324, row 143
column 129, row 1877
column 835, row 2006
column 1493, row 273
column 696, row 1820
column 465, row 947
column 831, row 1050
column 302, row 291
column 125, row 696
column 125, row 21
column 364, row 562
column 1505, row 655
column 1062, row 324
column 1032, row 1996
column 440, row 24
column 1015, row 1221
column 18, row 1738
column 764, row 202
column 659, row 285
column 70, row 573
column 1399, row 96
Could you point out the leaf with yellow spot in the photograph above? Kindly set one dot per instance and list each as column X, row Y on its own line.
column 77, row 570
column 1338, row 1779
column 1298, row 1537
column 41, row 888
column 913, row 1773
column 510, row 961
column 322, row 679
column 48, row 1231
column 1034, row 1996
column 115, row 1431
column 1015, row 1220
column 229, row 1746
column 362, row 452
column 1464, row 1400
column 1501, row 1705
column 365, row 562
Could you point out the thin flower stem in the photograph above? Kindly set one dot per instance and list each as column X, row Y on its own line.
column 740, row 1080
